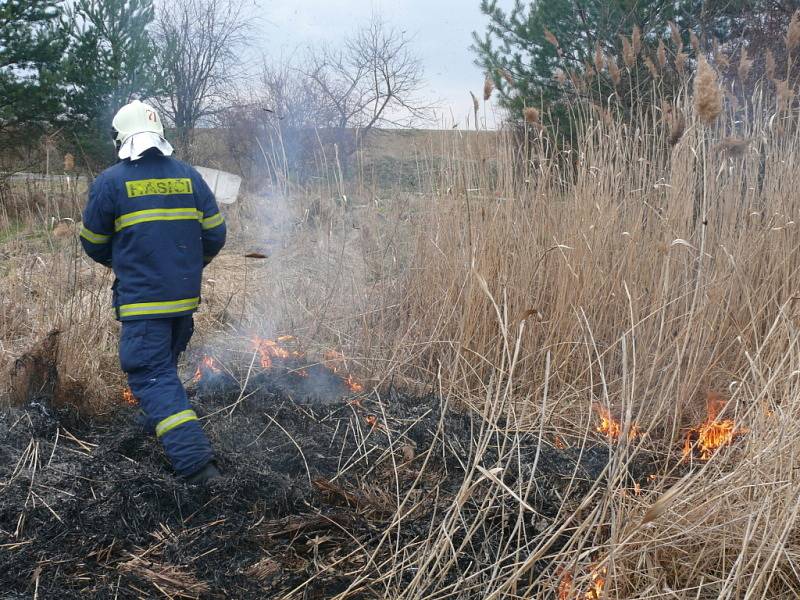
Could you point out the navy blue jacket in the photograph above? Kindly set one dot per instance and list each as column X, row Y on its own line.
column 156, row 223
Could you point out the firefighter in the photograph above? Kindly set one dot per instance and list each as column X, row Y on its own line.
column 155, row 222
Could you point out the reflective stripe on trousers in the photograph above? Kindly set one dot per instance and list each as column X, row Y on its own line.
column 155, row 309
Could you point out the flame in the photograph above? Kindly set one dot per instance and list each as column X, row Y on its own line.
column 595, row 591
column 335, row 357
column 559, row 443
column 206, row 365
column 128, row 397
column 610, row 427
column 712, row 433
column 598, row 583
column 565, row 587
column 352, row 383
column 269, row 349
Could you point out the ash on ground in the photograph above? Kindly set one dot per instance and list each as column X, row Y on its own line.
column 91, row 510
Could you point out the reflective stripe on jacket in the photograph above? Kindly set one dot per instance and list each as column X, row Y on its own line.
column 156, row 222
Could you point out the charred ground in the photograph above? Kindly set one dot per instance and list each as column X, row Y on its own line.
column 313, row 482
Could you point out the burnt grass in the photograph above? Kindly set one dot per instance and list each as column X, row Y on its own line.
column 90, row 508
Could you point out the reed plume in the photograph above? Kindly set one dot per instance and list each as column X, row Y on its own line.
column 680, row 62
column 733, row 146
column 694, row 41
column 550, row 37
column 599, row 58
column 636, row 39
column 661, row 54
column 675, row 34
column 589, row 72
column 707, row 93
column 770, row 65
column 674, row 121
column 785, row 95
column 488, row 87
column 506, row 75
column 720, row 57
column 651, row 67
column 628, row 55
column 613, row 70
column 531, row 115
column 793, row 33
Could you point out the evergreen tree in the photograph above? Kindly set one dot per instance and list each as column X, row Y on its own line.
column 547, row 54
column 111, row 62
column 32, row 42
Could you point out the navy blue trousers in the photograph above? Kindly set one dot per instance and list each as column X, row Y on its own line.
column 148, row 351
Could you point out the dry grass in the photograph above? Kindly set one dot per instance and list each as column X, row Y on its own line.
column 637, row 273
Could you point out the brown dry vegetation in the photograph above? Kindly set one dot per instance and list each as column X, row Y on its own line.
column 638, row 274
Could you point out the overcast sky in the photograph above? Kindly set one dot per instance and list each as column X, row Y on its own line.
column 441, row 33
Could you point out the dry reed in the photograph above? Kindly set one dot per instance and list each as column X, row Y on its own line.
column 675, row 35
column 694, row 41
column 488, row 86
column 769, row 65
column 793, row 32
column 604, row 247
column 531, row 114
column 628, row 55
column 680, row 62
column 613, row 70
column 707, row 93
column 599, row 58
column 661, row 54
column 651, row 67
column 552, row 39
column 636, row 39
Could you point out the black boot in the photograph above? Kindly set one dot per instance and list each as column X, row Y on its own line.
column 206, row 475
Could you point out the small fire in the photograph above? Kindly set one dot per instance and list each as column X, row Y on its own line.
column 206, row 365
column 352, row 383
column 269, row 349
column 127, row 397
column 713, row 433
column 610, row 427
column 334, row 360
column 598, row 583
column 566, row 588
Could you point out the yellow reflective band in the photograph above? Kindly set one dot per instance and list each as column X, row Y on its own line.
column 157, row 214
column 158, row 308
column 158, row 187
column 173, row 421
column 94, row 238
column 214, row 221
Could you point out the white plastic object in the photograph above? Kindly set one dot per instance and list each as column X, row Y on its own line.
column 224, row 185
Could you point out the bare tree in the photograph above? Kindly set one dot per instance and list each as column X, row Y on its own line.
column 372, row 80
column 337, row 95
column 198, row 52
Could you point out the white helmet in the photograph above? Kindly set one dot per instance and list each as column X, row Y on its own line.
column 137, row 127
